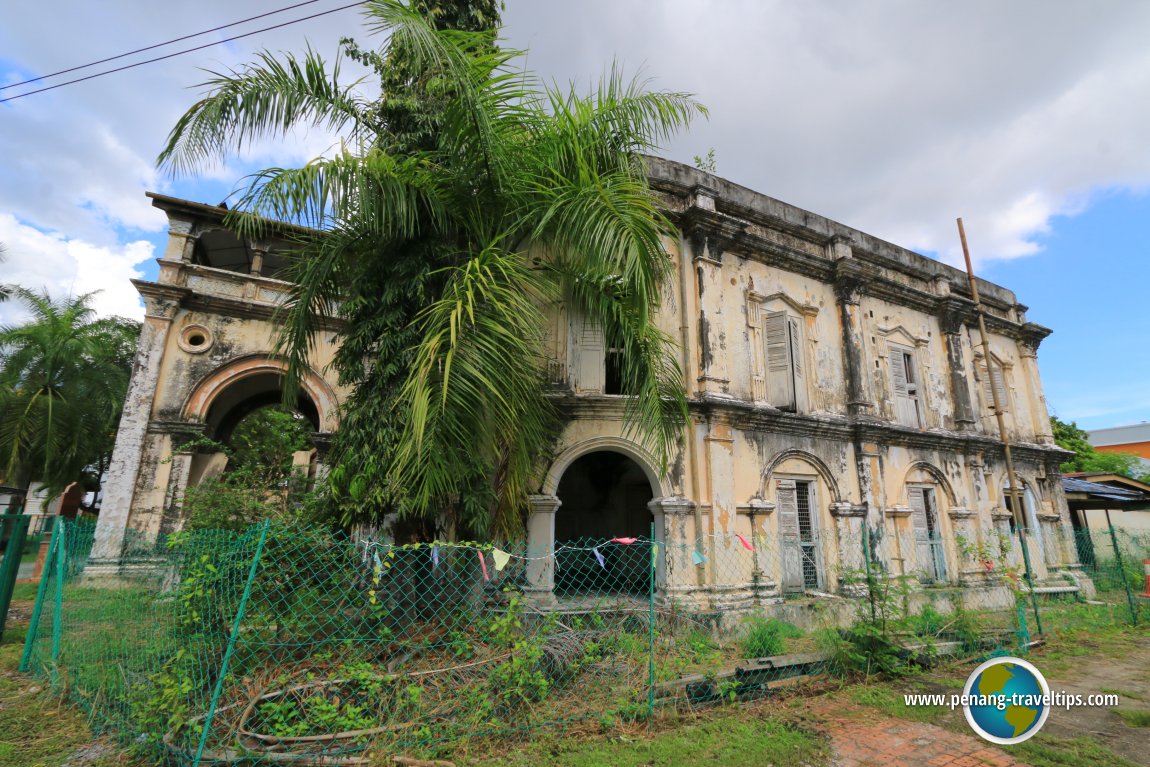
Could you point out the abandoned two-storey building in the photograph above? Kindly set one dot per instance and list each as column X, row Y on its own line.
column 836, row 386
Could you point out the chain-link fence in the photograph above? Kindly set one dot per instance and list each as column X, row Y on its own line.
column 285, row 645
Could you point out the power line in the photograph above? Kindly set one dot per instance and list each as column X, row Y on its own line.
column 157, row 45
column 180, row 53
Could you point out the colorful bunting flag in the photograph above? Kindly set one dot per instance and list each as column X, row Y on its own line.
column 599, row 556
column 624, row 541
column 654, row 554
column 501, row 559
column 698, row 558
column 376, row 562
column 483, row 565
column 434, row 557
column 746, row 544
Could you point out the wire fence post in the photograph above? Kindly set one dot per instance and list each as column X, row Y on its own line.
column 1122, row 571
column 235, row 632
column 41, row 593
column 651, row 637
column 1030, row 579
column 10, row 567
column 867, row 569
column 58, row 605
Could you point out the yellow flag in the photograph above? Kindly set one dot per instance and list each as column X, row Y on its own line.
column 501, row 559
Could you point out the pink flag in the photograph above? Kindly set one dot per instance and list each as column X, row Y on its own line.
column 483, row 564
column 743, row 541
column 624, row 541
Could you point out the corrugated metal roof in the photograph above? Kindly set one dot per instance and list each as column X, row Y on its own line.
column 1099, row 490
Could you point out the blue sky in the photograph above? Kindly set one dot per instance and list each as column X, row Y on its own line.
column 1091, row 283
column 893, row 116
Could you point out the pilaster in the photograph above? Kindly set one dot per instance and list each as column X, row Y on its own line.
column 540, row 587
column 161, row 304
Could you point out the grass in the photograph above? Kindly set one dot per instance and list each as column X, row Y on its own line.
column 1045, row 750
column 1135, row 717
column 1123, row 693
column 36, row 728
column 1073, row 631
column 730, row 737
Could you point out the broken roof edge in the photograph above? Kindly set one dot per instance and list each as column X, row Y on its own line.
column 673, row 176
column 215, row 213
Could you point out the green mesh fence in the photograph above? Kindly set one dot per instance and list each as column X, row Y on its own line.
column 292, row 646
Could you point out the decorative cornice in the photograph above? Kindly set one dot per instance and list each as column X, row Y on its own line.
column 960, row 513
column 755, row 506
column 897, row 512
column 847, row 509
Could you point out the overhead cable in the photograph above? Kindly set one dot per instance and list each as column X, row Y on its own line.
column 180, row 53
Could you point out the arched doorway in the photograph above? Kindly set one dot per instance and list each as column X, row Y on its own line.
column 272, row 441
column 603, row 495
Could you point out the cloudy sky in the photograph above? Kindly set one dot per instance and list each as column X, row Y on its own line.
column 1029, row 119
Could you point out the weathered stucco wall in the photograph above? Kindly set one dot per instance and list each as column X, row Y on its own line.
column 817, row 359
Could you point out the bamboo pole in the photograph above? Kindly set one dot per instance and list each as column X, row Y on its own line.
column 1012, row 479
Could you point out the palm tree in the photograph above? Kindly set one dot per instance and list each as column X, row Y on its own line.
column 442, row 251
column 63, row 378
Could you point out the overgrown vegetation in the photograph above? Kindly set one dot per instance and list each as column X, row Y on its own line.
column 1088, row 458
column 461, row 203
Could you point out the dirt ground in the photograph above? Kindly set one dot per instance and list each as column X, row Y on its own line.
column 1128, row 675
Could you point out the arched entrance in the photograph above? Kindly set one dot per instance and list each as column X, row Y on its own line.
column 245, row 412
column 604, row 495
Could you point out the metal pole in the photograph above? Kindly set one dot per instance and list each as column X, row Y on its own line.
column 866, row 565
column 1012, row 481
column 41, row 592
column 1122, row 570
column 58, row 602
column 231, row 643
column 651, row 637
column 10, row 569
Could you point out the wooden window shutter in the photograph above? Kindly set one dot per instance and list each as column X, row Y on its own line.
column 794, row 339
column 897, row 370
column 787, row 508
column 916, row 498
column 995, row 375
column 589, row 354
column 780, row 368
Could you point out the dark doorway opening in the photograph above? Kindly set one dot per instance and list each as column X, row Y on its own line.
column 604, row 495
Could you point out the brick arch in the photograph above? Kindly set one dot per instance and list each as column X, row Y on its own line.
column 935, row 474
column 219, row 380
column 810, row 459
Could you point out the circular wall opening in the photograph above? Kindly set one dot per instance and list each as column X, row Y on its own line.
column 195, row 339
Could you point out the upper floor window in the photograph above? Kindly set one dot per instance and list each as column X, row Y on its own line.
column 904, row 378
column 785, row 379
column 596, row 363
column 996, row 378
column 776, row 329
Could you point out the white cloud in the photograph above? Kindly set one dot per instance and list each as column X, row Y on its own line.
column 64, row 267
column 893, row 116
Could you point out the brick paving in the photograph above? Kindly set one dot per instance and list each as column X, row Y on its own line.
column 862, row 737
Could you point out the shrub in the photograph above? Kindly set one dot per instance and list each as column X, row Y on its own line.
column 766, row 636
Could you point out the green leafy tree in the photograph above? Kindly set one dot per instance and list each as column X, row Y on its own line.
column 458, row 206
column 266, row 440
column 1088, row 458
column 63, row 378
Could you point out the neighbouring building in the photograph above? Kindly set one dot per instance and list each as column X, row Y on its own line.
column 837, row 390
column 1132, row 439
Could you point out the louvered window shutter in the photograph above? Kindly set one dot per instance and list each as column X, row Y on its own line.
column 916, row 497
column 589, row 355
column 999, row 383
column 794, row 340
column 780, row 368
column 787, row 508
column 897, row 370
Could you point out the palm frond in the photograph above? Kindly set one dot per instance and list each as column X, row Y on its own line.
column 262, row 100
